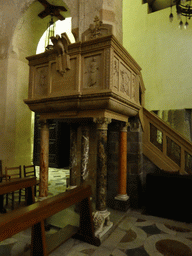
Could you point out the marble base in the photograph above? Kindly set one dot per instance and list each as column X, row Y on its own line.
column 122, row 197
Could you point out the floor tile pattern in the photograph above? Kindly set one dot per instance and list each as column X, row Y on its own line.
column 139, row 235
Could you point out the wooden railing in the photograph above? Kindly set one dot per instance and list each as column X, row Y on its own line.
column 35, row 214
column 165, row 147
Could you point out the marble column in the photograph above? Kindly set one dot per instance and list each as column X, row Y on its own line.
column 73, row 156
column 102, row 127
column 44, row 158
column 84, row 153
column 122, row 177
column 101, row 217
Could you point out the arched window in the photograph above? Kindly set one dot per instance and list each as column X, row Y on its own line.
column 60, row 27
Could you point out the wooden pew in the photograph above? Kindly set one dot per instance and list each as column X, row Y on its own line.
column 10, row 186
column 35, row 214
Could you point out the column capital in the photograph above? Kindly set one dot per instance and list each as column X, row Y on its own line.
column 102, row 122
column 124, row 126
column 44, row 122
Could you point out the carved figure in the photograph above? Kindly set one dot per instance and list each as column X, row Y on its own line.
column 93, row 72
column 42, row 78
column 101, row 221
column 60, row 44
column 125, row 82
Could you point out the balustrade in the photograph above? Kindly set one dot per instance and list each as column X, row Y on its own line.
column 168, row 149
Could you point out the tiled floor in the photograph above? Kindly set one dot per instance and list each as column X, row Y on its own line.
column 137, row 235
column 133, row 233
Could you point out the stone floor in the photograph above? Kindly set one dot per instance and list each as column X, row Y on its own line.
column 137, row 235
column 133, row 233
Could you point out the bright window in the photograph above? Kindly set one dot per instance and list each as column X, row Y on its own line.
column 60, row 27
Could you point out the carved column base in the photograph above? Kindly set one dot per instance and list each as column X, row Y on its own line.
column 102, row 223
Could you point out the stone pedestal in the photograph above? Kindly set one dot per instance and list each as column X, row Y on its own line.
column 44, row 159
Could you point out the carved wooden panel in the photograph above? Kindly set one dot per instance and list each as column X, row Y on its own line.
column 125, row 79
column 41, row 81
column 66, row 82
column 92, row 72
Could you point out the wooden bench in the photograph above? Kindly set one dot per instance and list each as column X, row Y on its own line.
column 35, row 214
column 10, row 186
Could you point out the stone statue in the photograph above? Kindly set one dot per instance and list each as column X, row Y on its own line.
column 60, row 44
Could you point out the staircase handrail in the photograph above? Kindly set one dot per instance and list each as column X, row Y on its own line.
column 157, row 155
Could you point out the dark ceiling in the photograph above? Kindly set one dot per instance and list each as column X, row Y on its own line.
column 156, row 5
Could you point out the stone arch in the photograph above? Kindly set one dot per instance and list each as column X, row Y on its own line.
column 19, row 36
column 22, row 29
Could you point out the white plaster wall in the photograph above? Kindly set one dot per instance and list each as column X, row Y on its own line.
column 163, row 51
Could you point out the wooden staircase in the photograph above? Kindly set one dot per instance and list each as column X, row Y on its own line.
column 164, row 146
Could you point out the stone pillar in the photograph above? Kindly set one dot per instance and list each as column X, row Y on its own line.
column 122, row 177
column 84, row 153
column 101, row 215
column 102, row 127
column 44, row 159
column 73, row 156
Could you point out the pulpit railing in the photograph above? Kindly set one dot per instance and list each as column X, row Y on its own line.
column 164, row 146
